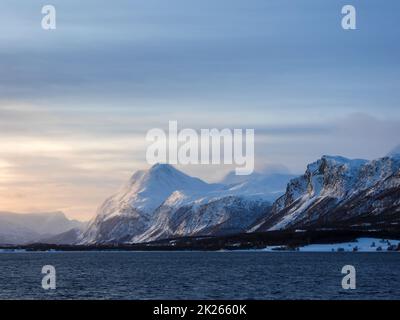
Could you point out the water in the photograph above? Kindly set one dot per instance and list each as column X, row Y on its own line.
column 199, row 275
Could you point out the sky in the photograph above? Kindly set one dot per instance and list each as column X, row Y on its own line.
column 77, row 102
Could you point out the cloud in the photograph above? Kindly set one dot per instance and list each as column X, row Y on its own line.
column 227, row 54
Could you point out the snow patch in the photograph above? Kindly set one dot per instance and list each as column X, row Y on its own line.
column 359, row 245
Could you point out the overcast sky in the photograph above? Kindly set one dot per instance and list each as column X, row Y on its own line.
column 76, row 102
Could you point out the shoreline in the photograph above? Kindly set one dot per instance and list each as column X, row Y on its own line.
column 307, row 240
column 357, row 245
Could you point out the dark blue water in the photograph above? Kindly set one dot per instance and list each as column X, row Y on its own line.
column 199, row 275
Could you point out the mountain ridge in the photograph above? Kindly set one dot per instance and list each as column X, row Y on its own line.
column 165, row 203
column 19, row 228
column 332, row 185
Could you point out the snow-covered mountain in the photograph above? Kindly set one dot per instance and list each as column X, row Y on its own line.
column 68, row 237
column 130, row 212
column 18, row 228
column 163, row 202
column 12, row 233
column 206, row 216
column 335, row 191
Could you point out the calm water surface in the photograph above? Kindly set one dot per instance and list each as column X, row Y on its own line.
column 199, row 275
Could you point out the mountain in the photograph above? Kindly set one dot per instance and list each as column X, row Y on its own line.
column 146, row 190
column 130, row 211
column 163, row 202
column 339, row 192
column 227, row 214
column 334, row 192
column 16, row 228
column 12, row 233
column 68, row 237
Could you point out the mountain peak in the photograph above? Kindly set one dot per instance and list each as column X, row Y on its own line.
column 168, row 173
column 339, row 159
column 148, row 189
column 333, row 161
column 165, row 169
column 162, row 167
column 342, row 160
column 157, row 171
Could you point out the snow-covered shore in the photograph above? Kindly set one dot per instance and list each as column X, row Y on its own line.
column 359, row 245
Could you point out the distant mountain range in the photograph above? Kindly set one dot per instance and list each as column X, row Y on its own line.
column 164, row 203
column 16, row 228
